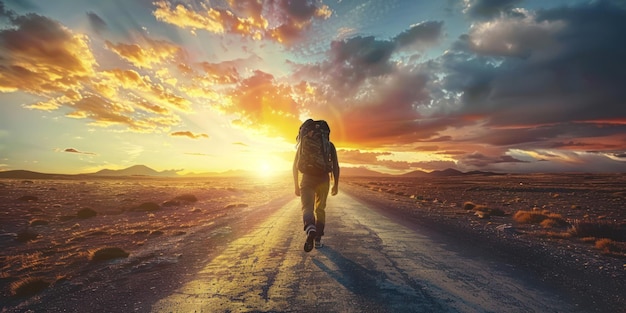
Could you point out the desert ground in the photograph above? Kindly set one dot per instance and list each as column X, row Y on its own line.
column 103, row 240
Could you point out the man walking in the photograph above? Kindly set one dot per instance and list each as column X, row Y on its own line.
column 316, row 158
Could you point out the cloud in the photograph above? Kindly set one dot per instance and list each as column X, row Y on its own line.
column 98, row 25
column 368, row 95
column 486, row 9
column 420, row 35
column 283, row 21
column 72, row 150
column 147, row 54
column 358, row 157
column 42, row 57
column 264, row 105
column 549, row 79
column 189, row 135
column 552, row 66
column 479, row 160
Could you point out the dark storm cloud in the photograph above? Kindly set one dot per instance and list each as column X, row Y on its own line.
column 557, row 66
column 425, row 33
column 376, row 97
column 480, row 160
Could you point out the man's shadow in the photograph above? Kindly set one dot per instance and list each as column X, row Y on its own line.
column 353, row 276
column 375, row 287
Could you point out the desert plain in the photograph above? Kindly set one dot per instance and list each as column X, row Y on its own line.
column 67, row 242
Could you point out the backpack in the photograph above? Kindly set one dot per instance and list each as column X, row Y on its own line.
column 315, row 153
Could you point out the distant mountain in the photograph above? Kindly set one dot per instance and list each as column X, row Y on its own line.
column 415, row 174
column 360, row 171
column 136, row 170
column 445, row 173
column 22, row 174
column 482, row 173
column 231, row 173
column 142, row 170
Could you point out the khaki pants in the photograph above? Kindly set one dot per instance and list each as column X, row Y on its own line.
column 313, row 194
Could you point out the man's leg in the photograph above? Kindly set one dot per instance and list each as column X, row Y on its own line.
column 321, row 194
column 307, row 196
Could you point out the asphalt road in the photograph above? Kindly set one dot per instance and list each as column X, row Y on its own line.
column 370, row 263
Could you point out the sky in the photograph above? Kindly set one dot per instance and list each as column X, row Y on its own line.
column 197, row 86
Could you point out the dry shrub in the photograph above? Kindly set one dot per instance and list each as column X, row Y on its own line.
column 39, row 222
column 482, row 211
column 146, row 207
column 609, row 246
column 554, row 234
column 27, row 198
column 26, row 235
column 86, row 213
column 181, row 199
column 553, row 220
column 599, row 229
column 529, row 217
column 469, row 206
column 28, row 286
column 108, row 253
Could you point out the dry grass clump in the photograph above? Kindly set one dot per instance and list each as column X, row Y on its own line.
column 26, row 235
column 39, row 222
column 86, row 213
column 28, row 286
column 146, row 207
column 181, row 199
column 482, row 211
column 108, row 253
column 469, row 206
column 27, row 198
column 543, row 218
column 599, row 229
column 553, row 234
column 608, row 246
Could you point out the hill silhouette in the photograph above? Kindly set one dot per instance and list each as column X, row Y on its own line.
column 136, row 170
column 360, row 172
column 143, row 170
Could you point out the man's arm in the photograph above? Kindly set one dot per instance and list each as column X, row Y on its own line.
column 333, row 152
column 295, row 172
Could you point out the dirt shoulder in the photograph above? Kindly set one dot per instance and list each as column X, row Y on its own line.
column 168, row 242
column 570, row 264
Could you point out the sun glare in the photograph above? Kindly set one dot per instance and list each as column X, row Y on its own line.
column 264, row 169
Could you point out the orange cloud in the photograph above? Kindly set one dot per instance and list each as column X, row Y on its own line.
column 245, row 18
column 358, row 157
column 150, row 53
column 42, row 57
column 265, row 106
column 188, row 134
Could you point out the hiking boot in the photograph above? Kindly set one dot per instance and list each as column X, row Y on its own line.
column 318, row 243
column 310, row 237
